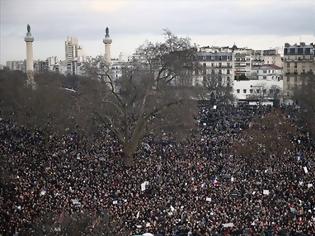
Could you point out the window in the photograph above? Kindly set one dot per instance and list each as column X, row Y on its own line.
column 238, row 91
column 264, row 71
column 244, row 90
column 264, row 77
column 271, row 91
column 288, row 64
column 220, row 64
column 307, row 51
column 264, row 91
column 292, row 50
column 228, row 71
column 285, row 51
column 300, row 51
column 251, row 91
column 295, row 64
column 257, row 90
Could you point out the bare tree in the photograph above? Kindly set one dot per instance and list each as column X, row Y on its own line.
column 305, row 98
column 216, row 90
column 50, row 106
column 153, row 95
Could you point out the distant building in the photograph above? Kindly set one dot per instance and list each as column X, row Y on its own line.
column 217, row 63
column 117, row 67
column 41, row 66
column 73, row 54
column 53, row 63
column 269, row 72
column 272, row 57
column 257, row 90
column 298, row 59
column 266, row 57
column 242, row 62
column 17, row 65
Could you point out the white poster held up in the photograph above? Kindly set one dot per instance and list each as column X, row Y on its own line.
column 227, row 225
column 266, row 192
column 144, row 185
column 305, row 170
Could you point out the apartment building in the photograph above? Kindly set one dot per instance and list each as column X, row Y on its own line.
column 298, row 60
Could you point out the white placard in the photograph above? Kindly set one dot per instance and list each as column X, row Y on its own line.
column 228, row 225
column 208, row 199
column 305, row 170
column 144, row 185
column 266, row 192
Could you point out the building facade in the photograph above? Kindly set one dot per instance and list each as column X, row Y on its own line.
column 16, row 65
column 217, row 64
column 298, row 60
column 269, row 72
column 73, row 54
column 257, row 90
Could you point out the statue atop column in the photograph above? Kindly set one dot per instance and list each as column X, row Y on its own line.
column 28, row 28
column 106, row 32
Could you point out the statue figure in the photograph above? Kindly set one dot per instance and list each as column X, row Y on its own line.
column 106, row 32
column 28, row 28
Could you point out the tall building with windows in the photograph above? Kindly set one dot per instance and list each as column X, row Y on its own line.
column 272, row 57
column 242, row 62
column 72, row 52
column 16, row 65
column 217, row 63
column 298, row 60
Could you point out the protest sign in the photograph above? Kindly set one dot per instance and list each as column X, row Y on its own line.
column 266, row 192
column 227, row 225
column 144, row 185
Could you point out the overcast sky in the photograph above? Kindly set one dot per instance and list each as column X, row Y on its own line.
column 257, row 24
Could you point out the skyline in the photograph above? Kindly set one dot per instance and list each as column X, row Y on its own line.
column 247, row 23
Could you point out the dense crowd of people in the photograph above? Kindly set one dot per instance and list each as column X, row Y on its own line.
column 195, row 187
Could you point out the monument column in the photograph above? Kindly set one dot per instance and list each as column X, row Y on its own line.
column 107, row 41
column 29, row 57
